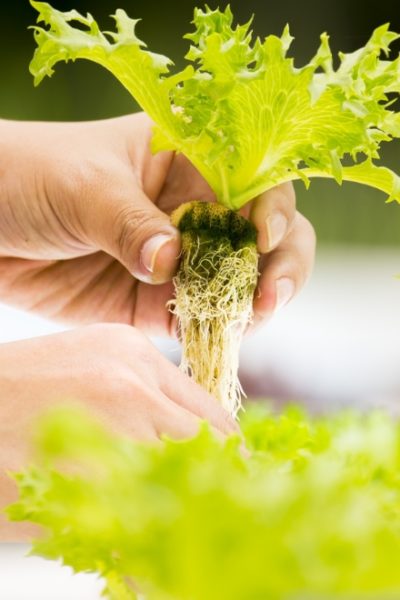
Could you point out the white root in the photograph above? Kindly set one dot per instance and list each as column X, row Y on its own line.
column 214, row 298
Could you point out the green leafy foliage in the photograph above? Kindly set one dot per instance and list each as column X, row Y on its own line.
column 310, row 511
column 242, row 113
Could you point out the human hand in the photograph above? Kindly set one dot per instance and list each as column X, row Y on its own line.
column 115, row 373
column 92, row 193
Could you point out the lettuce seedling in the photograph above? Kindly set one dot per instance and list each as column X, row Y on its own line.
column 248, row 119
column 311, row 511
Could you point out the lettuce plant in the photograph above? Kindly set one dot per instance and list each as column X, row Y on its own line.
column 248, row 119
column 311, row 511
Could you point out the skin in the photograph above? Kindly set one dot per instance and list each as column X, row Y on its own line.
column 127, row 385
column 92, row 193
column 80, row 204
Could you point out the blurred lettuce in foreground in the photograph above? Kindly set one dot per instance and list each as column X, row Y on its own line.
column 311, row 512
column 243, row 114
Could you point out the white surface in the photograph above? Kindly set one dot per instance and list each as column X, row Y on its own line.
column 338, row 343
column 18, row 325
column 33, row 578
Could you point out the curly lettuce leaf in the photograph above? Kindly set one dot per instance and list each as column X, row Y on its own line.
column 311, row 511
column 242, row 113
column 72, row 36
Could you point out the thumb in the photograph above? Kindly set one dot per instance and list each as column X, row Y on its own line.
column 139, row 235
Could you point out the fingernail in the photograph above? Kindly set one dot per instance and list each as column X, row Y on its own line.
column 151, row 248
column 284, row 292
column 276, row 225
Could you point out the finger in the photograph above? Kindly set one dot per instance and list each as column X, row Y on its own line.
column 182, row 184
column 273, row 214
column 191, row 396
column 124, row 222
column 179, row 423
column 285, row 270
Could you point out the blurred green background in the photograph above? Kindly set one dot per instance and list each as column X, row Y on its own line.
column 353, row 214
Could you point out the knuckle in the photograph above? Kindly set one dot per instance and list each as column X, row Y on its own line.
column 102, row 332
column 303, row 223
column 131, row 226
column 120, row 340
column 89, row 176
column 307, row 234
column 288, row 191
column 136, row 348
column 104, row 377
column 276, row 200
column 117, row 382
column 283, row 200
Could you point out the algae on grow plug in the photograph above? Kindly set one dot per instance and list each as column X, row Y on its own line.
column 247, row 119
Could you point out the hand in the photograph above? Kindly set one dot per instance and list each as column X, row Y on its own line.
column 92, row 193
column 114, row 372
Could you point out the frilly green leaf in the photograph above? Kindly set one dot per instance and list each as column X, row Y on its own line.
column 242, row 113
